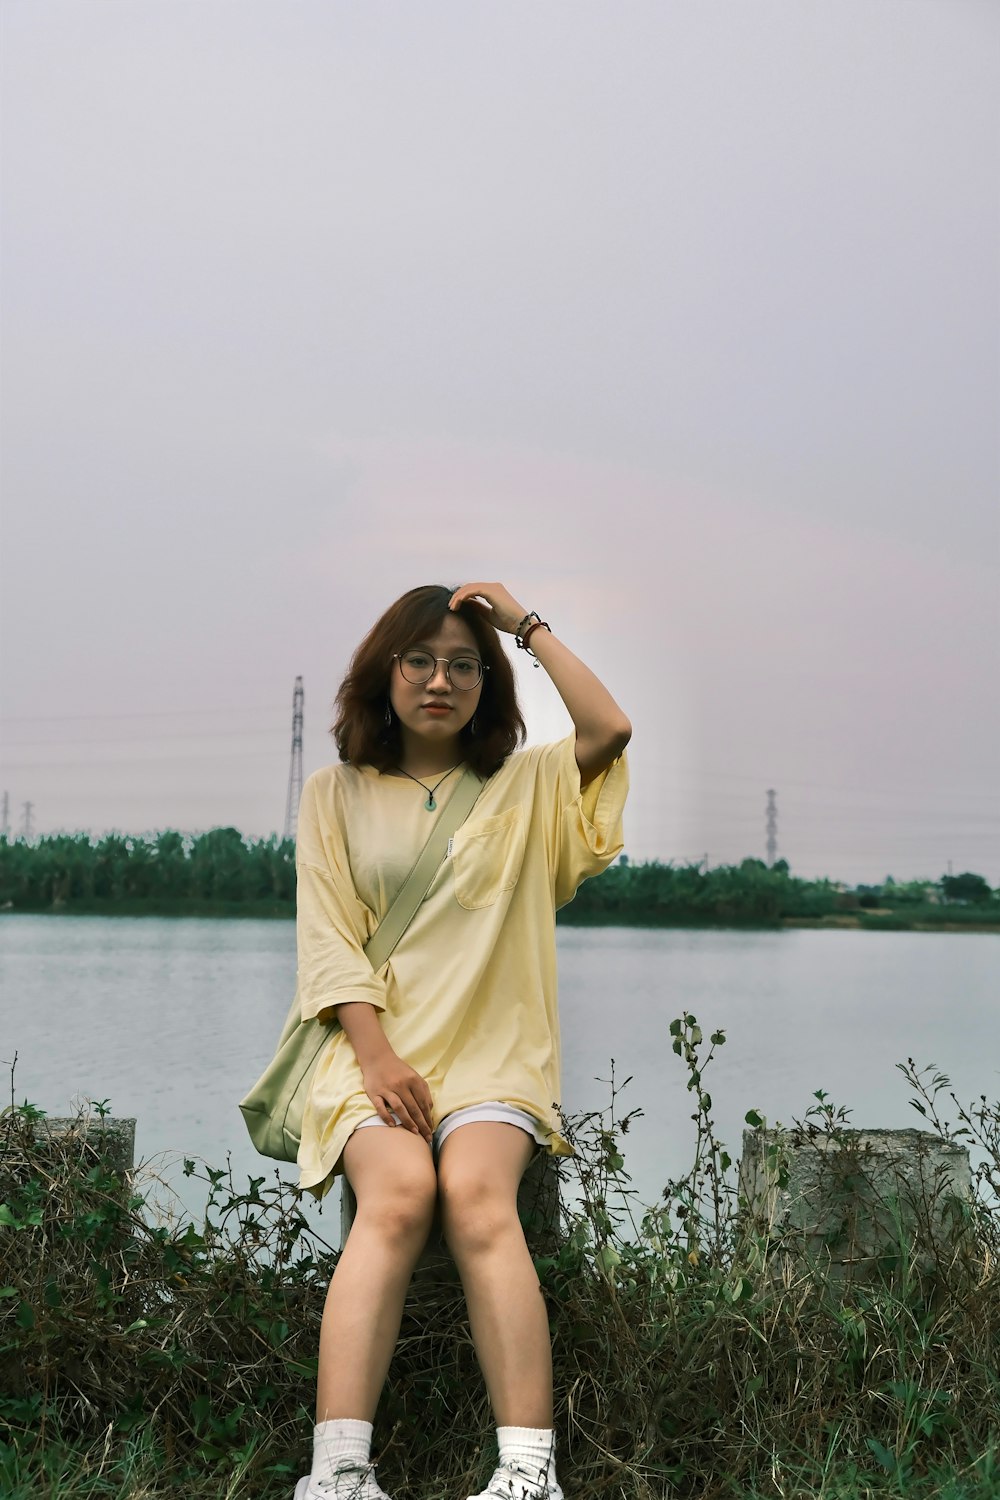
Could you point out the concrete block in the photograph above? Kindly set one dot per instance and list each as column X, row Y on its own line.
column 855, row 1204
column 111, row 1140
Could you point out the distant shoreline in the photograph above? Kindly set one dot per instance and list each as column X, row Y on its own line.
column 878, row 920
column 838, row 919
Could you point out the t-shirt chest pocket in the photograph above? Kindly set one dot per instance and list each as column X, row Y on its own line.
column 486, row 857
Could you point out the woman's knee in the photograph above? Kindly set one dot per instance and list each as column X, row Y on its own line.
column 397, row 1214
column 396, row 1196
column 475, row 1213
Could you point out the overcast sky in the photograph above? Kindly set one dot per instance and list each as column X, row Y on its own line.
column 679, row 318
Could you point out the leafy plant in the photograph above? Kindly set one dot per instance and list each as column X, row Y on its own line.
column 139, row 1358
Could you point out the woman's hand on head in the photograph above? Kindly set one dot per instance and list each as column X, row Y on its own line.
column 500, row 607
column 392, row 1085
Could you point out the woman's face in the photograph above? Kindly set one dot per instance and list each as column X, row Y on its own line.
column 436, row 711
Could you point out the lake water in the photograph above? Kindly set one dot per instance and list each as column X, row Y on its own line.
column 171, row 1020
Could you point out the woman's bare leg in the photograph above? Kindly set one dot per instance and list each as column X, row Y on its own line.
column 480, row 1167
column 392, row 1174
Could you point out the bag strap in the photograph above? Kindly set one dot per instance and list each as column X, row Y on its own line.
column 416, row 885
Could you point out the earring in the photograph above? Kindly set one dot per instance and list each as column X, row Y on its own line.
column 388, row 714
column 472, row 726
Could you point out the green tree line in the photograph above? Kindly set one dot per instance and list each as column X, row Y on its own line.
column 658, row 894
column 166, row 872
column 221, row 873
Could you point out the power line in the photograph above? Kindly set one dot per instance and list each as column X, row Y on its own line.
column 799, row 812
column 706, row 773
column 146, row 739
column 152, row 713
column 140, row 762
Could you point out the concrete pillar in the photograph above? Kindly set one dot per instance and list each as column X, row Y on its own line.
column 61, row 1152
column 855, row 1204
column 111, row 1140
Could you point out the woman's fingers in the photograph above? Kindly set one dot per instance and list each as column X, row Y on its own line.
column 475, row 593
column 486, row 611
column 501, row 606
column 394, row 1087
column 382, row 1109
column 410, row 1114
column 426, row 1104
column 416, row 1094
column 421, row 1109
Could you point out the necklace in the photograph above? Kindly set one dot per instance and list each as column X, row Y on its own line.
column 430, row 804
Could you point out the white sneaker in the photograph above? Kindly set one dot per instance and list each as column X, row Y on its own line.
column 514, row 1481
column 349, row 1482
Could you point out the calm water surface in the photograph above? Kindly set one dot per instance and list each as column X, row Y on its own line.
column 172, row 1019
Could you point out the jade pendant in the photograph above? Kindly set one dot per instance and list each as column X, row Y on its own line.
column 430, row 804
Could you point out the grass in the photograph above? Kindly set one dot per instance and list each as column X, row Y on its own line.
column 699, row 1352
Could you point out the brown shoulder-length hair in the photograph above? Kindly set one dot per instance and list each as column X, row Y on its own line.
column 360, row 730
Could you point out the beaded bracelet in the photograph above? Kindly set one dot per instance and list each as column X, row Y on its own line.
column 537, row 624
column 525, row 620
column 533, row 621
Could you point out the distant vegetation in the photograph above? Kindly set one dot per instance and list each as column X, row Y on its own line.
column 168, row 873
column 220, row 873
column 660, row 894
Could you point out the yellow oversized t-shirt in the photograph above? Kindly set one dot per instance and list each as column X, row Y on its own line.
column 468, row 995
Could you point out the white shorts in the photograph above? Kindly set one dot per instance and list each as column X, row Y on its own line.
column 504, row 1114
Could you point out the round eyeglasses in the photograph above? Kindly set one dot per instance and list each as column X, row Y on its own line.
column 463, row 672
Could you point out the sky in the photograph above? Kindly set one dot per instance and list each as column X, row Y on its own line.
column 681, row 319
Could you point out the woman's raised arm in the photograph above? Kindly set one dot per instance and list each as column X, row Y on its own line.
column 602, row 729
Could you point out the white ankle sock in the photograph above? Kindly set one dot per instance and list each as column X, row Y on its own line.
column 339, row 1439
column 534, row 1447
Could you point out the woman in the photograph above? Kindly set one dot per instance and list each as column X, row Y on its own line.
column 439, row 1086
